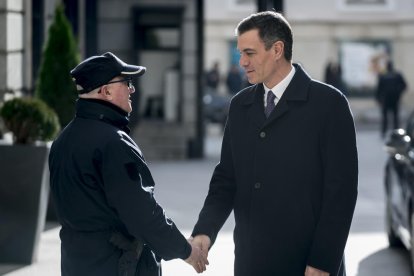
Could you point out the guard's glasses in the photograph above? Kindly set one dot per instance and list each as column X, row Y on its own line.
column 127, row 81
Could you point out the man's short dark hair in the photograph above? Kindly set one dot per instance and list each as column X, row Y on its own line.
column 272, row 27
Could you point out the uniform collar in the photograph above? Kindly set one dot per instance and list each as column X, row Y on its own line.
column 103, row 111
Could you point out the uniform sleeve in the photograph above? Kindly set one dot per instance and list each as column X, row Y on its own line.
column 340, row 160
column 129, row 188
column 220, row 198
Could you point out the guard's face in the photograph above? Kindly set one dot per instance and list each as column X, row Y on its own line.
column 120, row 90
column 258, row 63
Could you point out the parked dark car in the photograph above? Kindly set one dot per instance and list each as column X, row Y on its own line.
column 216, row 106
column 399, row 187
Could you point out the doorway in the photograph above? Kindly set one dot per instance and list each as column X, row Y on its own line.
column 157, row 41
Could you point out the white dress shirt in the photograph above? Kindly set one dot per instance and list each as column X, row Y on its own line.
column 279, row 88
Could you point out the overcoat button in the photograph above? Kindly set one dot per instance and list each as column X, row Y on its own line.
column 257, row 185
column 262, row 134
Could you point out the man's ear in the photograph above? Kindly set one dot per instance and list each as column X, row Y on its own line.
column 105, row 93
column 278, row 48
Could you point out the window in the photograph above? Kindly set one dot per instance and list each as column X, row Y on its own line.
column 162, row 38
column 361, row 61
column 365, row 5
column 249, row 5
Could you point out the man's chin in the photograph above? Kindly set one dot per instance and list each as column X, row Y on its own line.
column 252, row 81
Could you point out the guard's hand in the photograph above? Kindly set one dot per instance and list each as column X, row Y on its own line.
column 197, row 259
column 311, row 271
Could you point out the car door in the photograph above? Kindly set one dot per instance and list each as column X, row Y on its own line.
column 408, row 181
column 400, row 177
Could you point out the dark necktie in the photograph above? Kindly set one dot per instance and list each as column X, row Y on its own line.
column 270, row 103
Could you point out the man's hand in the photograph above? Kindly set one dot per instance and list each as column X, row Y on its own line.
column 311, row 271
column 202, row 241
column 197, row 258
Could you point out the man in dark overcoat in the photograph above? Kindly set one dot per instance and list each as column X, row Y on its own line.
column 101, row 185
column 391, row 85
column 288, row 166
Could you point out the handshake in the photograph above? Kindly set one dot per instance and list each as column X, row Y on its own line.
column 199, row 252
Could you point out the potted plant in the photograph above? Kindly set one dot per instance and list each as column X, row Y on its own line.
column 24, row 187
column 54, row 85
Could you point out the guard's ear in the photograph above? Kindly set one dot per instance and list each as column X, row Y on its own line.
column 105, row 93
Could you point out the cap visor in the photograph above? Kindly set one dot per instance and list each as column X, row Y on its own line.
column 133, row 70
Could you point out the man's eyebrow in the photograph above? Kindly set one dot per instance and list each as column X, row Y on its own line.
column 248, row 50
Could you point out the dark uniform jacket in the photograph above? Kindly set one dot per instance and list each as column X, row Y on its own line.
column 100, row 183
column 291, row 180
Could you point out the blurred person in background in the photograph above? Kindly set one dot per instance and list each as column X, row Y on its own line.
column 213, row 77
column 234, row 80
column 391, row 85
column 333, row 75
column 288, row 166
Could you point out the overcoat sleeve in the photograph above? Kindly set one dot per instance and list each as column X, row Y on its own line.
column 340, row 162
column 220, row 198
column 129, row 188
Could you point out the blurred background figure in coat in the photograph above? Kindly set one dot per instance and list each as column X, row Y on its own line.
column 391, row 85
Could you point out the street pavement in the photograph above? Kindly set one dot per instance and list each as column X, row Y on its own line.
column 181, row 188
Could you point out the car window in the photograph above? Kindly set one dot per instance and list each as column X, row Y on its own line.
column 410, row 127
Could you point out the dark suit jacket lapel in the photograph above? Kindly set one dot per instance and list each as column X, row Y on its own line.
column 255, row 106
column 297, row 90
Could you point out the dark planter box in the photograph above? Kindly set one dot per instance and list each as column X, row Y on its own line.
column 24, row 191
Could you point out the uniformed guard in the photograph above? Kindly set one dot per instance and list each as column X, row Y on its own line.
column 101, row 185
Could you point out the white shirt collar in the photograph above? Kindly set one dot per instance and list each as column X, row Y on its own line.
column 280, row 88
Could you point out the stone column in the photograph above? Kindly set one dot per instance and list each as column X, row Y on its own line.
column 11, row 47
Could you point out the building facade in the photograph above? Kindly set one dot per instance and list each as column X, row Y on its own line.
column 360, row 35
column 178, row 40
column 163, row 35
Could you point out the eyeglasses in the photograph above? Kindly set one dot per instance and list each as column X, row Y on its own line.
column 127, row 81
